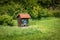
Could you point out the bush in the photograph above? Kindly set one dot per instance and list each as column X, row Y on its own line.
column 57, row 14
column 34, row 14
column 6, row 20
column 40, row 12
column 44, row 13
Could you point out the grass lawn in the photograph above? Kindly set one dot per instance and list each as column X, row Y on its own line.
column 44, row 29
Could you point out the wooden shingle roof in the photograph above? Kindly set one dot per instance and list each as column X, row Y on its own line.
column 24, row 16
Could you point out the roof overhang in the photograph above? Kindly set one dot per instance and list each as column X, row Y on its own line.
column 24, row 16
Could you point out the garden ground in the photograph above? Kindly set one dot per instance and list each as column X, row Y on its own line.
column 44, row 29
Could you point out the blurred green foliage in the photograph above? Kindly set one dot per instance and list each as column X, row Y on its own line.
column 36, row 8
column 6, row 20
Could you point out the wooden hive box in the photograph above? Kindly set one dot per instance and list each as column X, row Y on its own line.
column 23, row 19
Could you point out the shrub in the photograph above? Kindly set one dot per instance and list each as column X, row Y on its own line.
column 57, row 14
column 34, row 14
column 40, row 12
column 6, row 20
column 44, row 13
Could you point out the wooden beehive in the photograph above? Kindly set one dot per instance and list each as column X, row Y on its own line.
column 23, row 19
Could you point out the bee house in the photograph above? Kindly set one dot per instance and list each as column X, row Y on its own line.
column 23, row 19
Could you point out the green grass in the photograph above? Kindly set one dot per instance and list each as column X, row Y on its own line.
column 44, row 29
